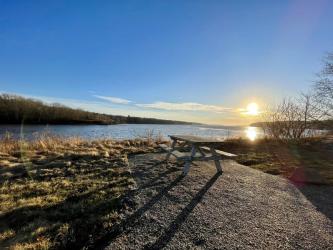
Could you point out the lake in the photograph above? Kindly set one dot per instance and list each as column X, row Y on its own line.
column 130, row 131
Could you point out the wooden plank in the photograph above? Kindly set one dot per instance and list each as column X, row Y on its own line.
column 196, row 157
column 220, row 152
column 217, row 162
column 195, row 139
column 189, row 161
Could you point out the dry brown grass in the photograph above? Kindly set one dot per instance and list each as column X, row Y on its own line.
column 62, row 192
column 42, row 141
column 309, row 160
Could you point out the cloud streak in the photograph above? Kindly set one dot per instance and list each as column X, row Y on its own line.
column 112, row 99
column 185, row 106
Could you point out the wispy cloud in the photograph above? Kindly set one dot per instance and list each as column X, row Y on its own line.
column 185, row 106
column 115, row 100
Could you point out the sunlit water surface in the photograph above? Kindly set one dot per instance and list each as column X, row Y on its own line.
column 130, row 131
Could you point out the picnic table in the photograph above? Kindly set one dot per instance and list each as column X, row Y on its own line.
column 188, row 148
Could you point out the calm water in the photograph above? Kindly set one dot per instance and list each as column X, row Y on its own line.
column 130, row 131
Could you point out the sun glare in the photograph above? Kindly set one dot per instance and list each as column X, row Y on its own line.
column 252, row 109
column 251, row 133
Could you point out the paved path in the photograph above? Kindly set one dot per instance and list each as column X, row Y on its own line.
column 240, row 209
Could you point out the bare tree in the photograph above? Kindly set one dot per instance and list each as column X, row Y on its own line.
column 289, row 119
column 323, row 90
column 294, row 118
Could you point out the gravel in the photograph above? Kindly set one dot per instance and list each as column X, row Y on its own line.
column 241, row 209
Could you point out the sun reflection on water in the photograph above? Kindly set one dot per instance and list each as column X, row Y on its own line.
column 251, row 133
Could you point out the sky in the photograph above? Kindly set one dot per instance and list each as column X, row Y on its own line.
column 200, row 61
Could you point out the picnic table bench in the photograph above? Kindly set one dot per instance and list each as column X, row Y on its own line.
column 201, row 149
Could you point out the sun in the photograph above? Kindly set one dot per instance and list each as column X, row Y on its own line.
column 252, row 109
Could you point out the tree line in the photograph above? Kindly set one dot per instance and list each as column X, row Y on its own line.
column 17, row 110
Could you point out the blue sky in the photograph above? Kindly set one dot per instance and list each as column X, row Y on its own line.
column 198, row 61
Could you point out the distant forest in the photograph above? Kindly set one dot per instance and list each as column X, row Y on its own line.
column 16, row 110
column 324, row 124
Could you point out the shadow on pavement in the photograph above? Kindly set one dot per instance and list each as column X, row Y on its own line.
column 175, row 225
column 127, row 224
column 321, row 196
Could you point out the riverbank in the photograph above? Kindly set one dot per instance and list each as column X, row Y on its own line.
column 69, row 192
column 63, row 193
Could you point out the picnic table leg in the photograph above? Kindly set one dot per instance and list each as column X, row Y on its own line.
column 217, row 161
column 189, row 161
column 172, row 149
column 200, row 151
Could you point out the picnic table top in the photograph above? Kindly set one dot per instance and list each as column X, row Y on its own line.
column 196, row 139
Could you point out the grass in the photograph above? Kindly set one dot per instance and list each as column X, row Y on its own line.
column 308, row 161
column 62, row 193
column 67, row 192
